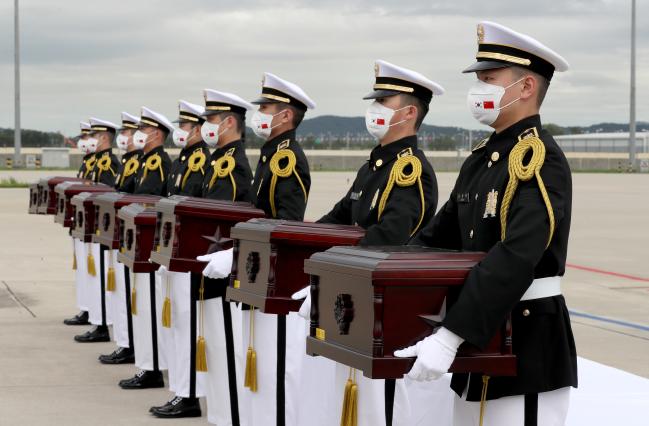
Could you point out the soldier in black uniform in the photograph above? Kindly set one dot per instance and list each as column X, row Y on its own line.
column 151, row 179
column 512, row 199
column 125, row 181
column 393, row 195
column 188, row 170
column 87, row 162
column 120, row 302
column 280, row 188
column 155, row 163
column 107, row 166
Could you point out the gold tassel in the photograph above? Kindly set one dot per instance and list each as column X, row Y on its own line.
column 250, row 379
column 133, row 298
column 110, row 280
column 166, row 307
column 91, row 265
column 483, row 397
column 349, row 415
column 201, row 353
column 74, row 261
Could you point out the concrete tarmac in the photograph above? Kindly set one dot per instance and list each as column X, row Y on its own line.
column 47, row 378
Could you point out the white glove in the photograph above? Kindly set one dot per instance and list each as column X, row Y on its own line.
column 435, row 354
column 219, row 264
column 305, row 307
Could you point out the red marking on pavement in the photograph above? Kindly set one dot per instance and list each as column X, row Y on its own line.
column 611, row 273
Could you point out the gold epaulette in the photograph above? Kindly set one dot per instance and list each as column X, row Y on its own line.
column 130, row 168
column 223, row 168
column 399, row 177
column 283, row 172
column 104, row 165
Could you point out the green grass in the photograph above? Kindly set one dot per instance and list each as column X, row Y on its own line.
column 12, row 183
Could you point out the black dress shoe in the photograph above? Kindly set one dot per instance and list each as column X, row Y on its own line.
column 162, row 407
column 98, row 334
column 144, row 380
column 179, row 408
column 119, row 356
column 79, row 319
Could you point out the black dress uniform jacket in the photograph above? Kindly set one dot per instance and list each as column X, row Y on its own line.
column 107, row 167
column 222, row 189
column 153, row 180
column 403, row 213
column 87, row 165
column 185, row 180
column 125, row 181
column 470, row 220
column 291, row 192
column 217, row 188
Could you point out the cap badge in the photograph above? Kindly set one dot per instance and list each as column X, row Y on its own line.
column 480, row 34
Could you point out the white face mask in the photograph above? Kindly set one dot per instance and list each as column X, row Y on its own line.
column 180, row 137
column 262, row 124
column 378, row 117
column 139, row 139
column 91, row 145
column 122, row 142
column 484, row 99
column 81, row 145
column 210, row 133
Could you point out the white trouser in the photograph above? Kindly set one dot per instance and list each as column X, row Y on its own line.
column 145, row 347
column 94, row 288
column 217, row 385
column 431, row 400
column 116, row 300
column 181, row 339
column 81, row 274
column 261, row 405
column 510, row 411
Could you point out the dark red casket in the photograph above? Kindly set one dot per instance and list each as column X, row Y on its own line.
column 65, row 191
column 47, row 203
column 369, row 302
column 106, row 222
column 83, row 206
column 184, row 222
column 136, row 230
column 269, row 259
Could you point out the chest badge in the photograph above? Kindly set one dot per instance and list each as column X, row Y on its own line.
column 492, row 202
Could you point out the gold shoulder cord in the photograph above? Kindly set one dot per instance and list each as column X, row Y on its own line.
column 153, row 163
column 104, row 165
column 525, row 172
column 279, row 172
column 130, row 167
column 400, row 178
column 194, row 164
column 90, row 165
column 223, row 167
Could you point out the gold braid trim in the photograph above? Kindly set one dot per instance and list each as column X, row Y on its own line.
column 195, row 163
column 223, row 167
column 130, row 167
column 521, row 172
column 152, row 164
column 398, row 176
column 104, row 165
column 90, row 165
column 285, row 172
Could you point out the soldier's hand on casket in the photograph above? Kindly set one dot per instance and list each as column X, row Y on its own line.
column 305, row 307
column 435, row 354
column 219, row 264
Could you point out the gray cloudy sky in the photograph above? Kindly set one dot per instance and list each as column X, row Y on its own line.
column 82, row 58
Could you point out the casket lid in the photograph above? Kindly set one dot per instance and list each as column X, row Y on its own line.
column 394, row 262
column 217, row 209
column 138, row 214
column 316, row 234
column 255, row 229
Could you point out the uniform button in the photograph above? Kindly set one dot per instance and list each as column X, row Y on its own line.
column 379, row 163
column 526, row 312
column 471, row 234
column 495, row 156
column 489, row 164
column 263, row 159
column 182, row 158
column 213, row 162
column 476, row 196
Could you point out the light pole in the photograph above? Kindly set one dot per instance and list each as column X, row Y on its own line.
column 632, row 146
column 17, row 142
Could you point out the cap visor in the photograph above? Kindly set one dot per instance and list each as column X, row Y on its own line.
column 381, row 94
column 262, row 100
column 486, row 65
column 208, row 113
